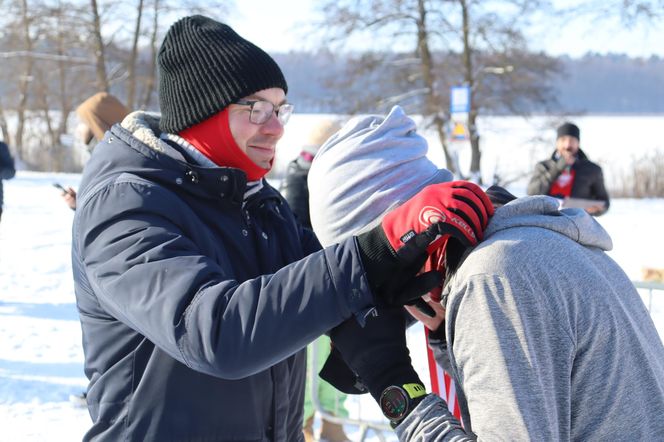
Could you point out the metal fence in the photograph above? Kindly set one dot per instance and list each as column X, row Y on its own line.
column 649, row 288
column 366, row 420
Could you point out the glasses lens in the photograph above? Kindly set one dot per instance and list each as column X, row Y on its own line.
column 261, row 111
column 284, row 113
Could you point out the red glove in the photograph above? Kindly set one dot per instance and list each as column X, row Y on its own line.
column 395, row 251
column 458, row 208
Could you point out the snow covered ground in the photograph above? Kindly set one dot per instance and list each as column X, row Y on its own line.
column 41, row 358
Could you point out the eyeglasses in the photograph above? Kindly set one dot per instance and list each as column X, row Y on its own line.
column 261, row 111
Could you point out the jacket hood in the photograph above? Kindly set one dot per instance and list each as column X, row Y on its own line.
column 99, row 113
column 542, row 211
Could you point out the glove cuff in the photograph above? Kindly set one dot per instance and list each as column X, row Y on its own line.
column 399, row 374
column 377, row 256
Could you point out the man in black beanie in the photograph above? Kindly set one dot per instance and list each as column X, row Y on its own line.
column 197, row 288
column 570, row 175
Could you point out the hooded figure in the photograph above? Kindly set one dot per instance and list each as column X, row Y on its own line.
column 546, row 336
column 98, row 113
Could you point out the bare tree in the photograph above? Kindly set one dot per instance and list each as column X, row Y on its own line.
column 102, row 80
column 42, row 62
column 412, row 77
column 454, row 42
column 493, row 44
column 56, row 53
column 131, row 64
column 432, row 100
column 151, row 75
column 631, row 12
column 24, row 79
column 58, row 84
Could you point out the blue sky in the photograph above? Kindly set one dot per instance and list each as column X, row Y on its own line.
column 278, row 27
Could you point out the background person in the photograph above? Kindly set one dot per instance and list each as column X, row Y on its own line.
column 197, row 288
column 7, row 169
column 296, row 192
column 570, row 174
column 546, row 336
column 96, row 114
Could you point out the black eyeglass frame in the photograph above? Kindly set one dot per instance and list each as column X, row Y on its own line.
column 283, row 111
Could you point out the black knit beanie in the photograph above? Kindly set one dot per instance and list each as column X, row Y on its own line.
column 203, row 67
column 569, row 129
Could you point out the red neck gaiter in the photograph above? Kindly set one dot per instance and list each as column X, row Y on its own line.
column 213, row 138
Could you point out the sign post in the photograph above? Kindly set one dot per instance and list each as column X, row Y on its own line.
column 459, row 134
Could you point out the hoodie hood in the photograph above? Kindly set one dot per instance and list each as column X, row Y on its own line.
column 373, row 164
column 542, row 211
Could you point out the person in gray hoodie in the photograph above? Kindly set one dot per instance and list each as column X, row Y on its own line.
column 546, row 336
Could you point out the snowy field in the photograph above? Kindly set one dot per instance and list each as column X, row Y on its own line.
column 41, row 358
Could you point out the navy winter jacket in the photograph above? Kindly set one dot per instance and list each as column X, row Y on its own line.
column 195, row 307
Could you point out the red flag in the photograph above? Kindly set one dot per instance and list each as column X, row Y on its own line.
column 442, row 383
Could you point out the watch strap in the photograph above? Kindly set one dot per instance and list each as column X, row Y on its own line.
column 415, row 390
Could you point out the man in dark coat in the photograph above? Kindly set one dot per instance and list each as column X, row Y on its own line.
column 570, row 174
column 196, row 287
column 7, row 169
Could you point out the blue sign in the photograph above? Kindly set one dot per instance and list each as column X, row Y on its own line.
column 460, row 99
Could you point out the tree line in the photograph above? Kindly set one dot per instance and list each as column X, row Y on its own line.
column 56, row 54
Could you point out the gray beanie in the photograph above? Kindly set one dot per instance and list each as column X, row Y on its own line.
column 371, row 165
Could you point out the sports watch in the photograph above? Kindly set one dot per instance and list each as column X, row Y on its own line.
column 396, row 402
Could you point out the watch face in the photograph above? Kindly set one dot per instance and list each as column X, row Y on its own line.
column 394, row 403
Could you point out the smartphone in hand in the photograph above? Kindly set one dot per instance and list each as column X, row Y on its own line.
column 59, row 186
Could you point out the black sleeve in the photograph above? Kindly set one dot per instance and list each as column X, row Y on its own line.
column 598, row 190
column 295, row 191
column 7, row 169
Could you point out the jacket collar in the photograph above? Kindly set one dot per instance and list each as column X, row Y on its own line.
column 167, row 162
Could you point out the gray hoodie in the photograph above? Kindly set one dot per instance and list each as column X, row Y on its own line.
column 547, row 337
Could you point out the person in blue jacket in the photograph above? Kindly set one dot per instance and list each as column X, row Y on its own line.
column 197, row 288
column 7, row 169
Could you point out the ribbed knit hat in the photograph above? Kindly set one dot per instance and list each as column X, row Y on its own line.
column 204, row 66
column 568, row 129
